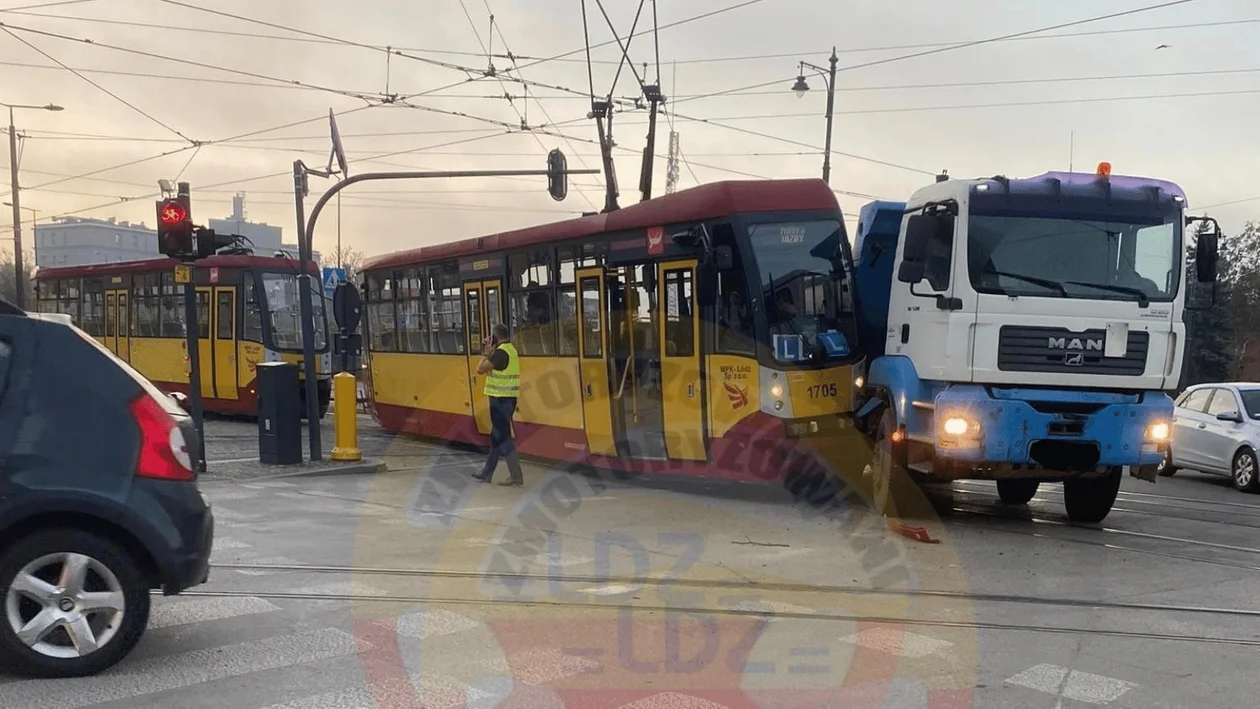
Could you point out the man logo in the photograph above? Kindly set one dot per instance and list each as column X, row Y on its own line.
column 1074, row 359
column 1076, row 344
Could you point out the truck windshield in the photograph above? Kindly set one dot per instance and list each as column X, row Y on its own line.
column 804, row 287
column 1075, row 258
column 283, row 311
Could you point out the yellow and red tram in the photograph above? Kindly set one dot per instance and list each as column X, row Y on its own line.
column 706, row 333
column 247, row 313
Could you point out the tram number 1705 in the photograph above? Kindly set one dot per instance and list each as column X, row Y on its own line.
column 819, row 391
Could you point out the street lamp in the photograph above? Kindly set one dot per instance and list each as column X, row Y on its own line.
column 20, row 275
column 801, row 87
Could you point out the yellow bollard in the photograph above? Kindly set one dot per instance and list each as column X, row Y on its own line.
column 345, row 418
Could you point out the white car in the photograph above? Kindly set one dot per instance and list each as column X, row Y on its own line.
column 1216, row 429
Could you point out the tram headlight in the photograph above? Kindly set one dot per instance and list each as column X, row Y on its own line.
column 1159, row 432
column 776, row 390
column 859, row 383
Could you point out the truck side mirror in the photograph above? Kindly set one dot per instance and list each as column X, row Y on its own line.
column 1205, row 257
column 911, row 272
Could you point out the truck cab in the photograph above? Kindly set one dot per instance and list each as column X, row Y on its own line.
column 1025, row 331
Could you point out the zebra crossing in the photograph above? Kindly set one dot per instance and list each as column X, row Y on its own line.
column 254, row 648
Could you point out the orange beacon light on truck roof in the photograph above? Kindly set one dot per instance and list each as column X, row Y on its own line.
column 1104, row 169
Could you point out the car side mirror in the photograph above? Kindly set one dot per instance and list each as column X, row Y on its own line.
column 911, row 272
column 1205, row 257
column 1231, row 416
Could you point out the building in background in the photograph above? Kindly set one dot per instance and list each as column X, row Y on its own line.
column 75, row 241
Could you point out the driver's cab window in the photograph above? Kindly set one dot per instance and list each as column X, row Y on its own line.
column 1223, row 402
column 6, row 354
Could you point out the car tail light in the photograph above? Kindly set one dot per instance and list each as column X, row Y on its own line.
column 163, row 450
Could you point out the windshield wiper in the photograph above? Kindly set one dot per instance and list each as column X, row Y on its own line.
column 1043, row 282
column 1143, row 298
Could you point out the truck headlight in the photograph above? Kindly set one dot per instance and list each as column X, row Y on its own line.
column 959, row 426
column 1158, row 432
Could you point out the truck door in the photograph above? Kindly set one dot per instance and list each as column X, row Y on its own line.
column 593, row 356
column 682, row 396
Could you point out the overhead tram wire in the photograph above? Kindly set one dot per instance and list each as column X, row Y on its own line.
column 104, row 90
column 973, row 43
column 170, row 77
column 189, row 62
column 541, row 106
column 699, row 60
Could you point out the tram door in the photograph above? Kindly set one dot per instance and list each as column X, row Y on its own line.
column 224, row 344
column 634, row 332
column 118, row 324
column 205, row 346
column 682, row 398
column 592, row 352
column 483, row 307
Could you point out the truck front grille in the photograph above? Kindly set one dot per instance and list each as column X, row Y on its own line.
column 1059, row 350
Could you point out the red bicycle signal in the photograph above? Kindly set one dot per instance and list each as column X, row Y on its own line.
column 172, row 213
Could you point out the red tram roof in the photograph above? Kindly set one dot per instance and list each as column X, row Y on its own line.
column 707, row 201
column 167, row 264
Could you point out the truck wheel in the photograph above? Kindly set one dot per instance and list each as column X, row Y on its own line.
column 74, row 604
column 1016, row 491
column 893, row 492
column 1089, row 500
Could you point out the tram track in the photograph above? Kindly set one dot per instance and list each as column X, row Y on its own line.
column 730, row 612
column 776, row 587
column 1127, row 510
column 1136, row 498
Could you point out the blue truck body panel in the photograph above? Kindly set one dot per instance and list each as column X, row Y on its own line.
column 874, row 250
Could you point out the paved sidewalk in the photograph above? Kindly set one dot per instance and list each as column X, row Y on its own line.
column 232, row 452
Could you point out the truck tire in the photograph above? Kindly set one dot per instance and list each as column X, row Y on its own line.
column 1089, row 500
column 893, row 491
column 1016, row 491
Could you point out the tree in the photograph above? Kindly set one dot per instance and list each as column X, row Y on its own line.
column 1243, row 277
column 1210, row 346
column 348, row 258
column 8, row 278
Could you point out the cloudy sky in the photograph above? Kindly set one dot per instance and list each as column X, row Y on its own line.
column 251, row 84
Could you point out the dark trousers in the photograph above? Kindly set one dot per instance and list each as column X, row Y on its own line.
column 501, row 443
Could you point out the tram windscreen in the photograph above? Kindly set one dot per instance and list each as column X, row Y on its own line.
column 804, row 284
column 283, row 311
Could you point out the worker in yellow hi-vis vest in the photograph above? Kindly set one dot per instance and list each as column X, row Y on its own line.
column 501, row 366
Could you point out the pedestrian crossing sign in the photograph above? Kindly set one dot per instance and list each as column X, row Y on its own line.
column 333, row 277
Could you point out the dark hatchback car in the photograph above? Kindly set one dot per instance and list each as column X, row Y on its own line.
column 99, row 502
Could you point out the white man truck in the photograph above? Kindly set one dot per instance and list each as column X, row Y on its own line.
column 1023, row 331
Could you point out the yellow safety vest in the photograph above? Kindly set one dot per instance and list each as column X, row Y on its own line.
column 505, row 383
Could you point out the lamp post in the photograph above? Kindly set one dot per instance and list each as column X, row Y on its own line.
column 20, row 275
column 34, row 219
column 800, row 87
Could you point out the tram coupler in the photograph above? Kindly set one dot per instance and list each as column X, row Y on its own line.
column 345, row 418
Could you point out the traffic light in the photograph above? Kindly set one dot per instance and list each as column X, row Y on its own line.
column 557, row 175
column 175, row 228
column 209, row 243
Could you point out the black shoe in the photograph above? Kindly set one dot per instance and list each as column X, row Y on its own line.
column 511, row 483
column 482, row 478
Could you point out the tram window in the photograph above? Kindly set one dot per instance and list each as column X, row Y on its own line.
column 93, row 308
column 381, row 313
column 474, row 319
column 571, row 258
column 69, row 301
column 223, row 319
column 566, row 315
column 734, row 317
column 533, row 322
column 253, row 311
column 680, row 338
column 147, row 298
column 413, row 317
column 592, row 334
column 203, row 315
column 532, row 269
column 449, row 308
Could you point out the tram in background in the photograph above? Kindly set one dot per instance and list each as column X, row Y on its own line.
column 707, row 333
column 247, row 313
